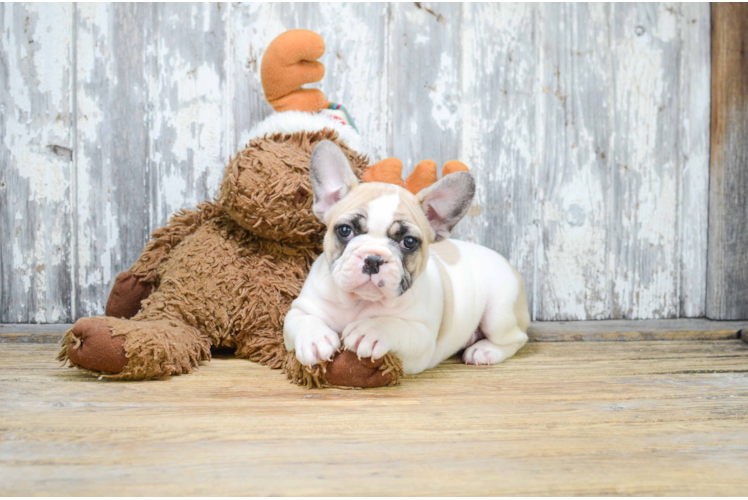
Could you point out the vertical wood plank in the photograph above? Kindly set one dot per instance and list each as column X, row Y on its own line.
column 113, row 152
column 644, row 243
column 189, row 84
column 499, row 129
column 36, row 157
column 573, row 182
column 424, row 82
column 355, row 71
column 693, row 148
column 727, row 281
column 254, row 25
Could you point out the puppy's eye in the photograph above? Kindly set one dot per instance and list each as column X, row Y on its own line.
column 410, row 242
column 344, row 231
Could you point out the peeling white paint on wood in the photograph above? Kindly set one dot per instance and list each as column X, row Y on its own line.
column 586, row 126
column 500, row 130
column 113, row 153
column 611, row 171
column 425, row 95
column 694, row 35
column 188, row 131
column 35, row 162
column 644, row 162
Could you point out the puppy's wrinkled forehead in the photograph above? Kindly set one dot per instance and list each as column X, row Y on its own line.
column 377, row 206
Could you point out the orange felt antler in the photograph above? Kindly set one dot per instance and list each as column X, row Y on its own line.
column 289, row 62
column 421, row 177
column 453, row 166
column 390, row 170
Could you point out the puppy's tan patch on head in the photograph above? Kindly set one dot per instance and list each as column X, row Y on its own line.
column 360, row 197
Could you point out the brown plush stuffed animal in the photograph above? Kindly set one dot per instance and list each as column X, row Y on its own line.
column 224, row 275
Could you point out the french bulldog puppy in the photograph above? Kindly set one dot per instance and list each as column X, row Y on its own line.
column 390, row 280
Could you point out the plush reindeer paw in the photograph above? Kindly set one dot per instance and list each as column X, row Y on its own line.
column 90, row 345
column 347, row 370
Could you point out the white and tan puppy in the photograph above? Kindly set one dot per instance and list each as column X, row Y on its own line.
column 384, row 284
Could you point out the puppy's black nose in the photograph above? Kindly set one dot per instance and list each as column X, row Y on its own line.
column 372, row 263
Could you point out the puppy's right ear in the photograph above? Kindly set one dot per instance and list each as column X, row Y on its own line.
column 332, row 178
column 447, row 201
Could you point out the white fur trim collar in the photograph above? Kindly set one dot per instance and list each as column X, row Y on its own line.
column 290, row 122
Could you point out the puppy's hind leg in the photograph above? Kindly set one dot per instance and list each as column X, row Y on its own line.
column 504, row 326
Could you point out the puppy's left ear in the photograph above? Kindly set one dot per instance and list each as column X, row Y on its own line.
column 447, row 201
column 332, row 178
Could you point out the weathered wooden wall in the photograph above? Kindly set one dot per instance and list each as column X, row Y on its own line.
column 586, row 125
column 727, row 277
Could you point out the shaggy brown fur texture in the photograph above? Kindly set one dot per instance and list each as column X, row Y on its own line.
column 345, row 371
column 225, row 275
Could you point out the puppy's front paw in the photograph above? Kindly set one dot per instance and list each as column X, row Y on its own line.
column 368, row 338
column 315, row 346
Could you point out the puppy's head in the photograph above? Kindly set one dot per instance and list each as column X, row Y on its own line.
column 378, row 234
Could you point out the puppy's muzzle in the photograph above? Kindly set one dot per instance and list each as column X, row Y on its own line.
column 372, row 263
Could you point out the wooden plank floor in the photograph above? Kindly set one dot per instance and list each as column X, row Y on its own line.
column 588, row 418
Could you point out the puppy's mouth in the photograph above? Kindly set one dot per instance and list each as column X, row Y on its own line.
column 373, row 289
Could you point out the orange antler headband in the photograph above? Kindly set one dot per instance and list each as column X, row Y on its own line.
column 390, row 170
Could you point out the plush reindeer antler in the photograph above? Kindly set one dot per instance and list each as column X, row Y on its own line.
column 289, row 62
column 390, row 170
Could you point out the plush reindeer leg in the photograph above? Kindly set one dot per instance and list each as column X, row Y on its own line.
column 134, row 350
column 126, row 295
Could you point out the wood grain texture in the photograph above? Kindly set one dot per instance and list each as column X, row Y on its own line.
column 727, row 284
column 36, row 163
column 425, row 100
column 253, row 27
column 644, row 162
column 189, row 129
column 635, row 330
column 586, row 127
column 113, row 150
column 612, row 168
column 31, row 338
column 500, row 130
column 625, row 418
column 694, row 31
column 34, row 328
column 576, row 85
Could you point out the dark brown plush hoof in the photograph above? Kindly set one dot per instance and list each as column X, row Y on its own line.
column 95, row 348
column 126, row 295
column 347, row 370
